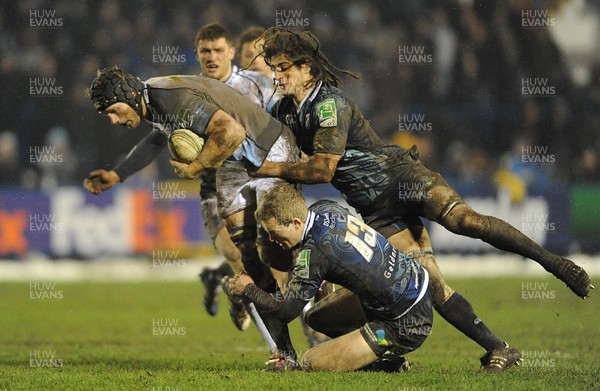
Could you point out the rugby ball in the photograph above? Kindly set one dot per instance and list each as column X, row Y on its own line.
column 185, row 145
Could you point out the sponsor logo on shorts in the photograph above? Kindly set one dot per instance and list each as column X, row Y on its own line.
column 381, row 341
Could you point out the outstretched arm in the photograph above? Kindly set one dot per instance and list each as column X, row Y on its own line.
column 318, row 168
column 286, row 308
column 139, row 157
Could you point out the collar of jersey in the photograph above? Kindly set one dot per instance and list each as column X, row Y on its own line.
column 146, row 98
column 234, row 71
column 310, row 96
column 310, row 219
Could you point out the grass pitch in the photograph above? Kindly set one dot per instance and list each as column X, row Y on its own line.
column 156, row 336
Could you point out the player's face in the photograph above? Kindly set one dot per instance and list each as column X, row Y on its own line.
column 122, row 114
column 287, row 236
column 215, row 58
column 291, row 79
column 248, row 59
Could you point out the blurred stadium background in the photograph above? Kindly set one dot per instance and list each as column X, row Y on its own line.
column 501, row 97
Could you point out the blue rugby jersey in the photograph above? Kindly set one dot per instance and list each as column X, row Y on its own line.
column 338, row 247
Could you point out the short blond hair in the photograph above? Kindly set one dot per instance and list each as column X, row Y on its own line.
column 284, row 203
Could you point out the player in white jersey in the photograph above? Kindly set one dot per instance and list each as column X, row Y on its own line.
column 237, row 192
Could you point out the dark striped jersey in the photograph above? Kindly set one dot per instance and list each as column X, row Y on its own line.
column 338, row 247
column 328, row 122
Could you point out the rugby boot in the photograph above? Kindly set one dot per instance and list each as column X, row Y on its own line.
column 575, row 277
column 500, row 359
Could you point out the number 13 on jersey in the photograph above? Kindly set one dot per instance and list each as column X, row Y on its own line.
column 362, row 237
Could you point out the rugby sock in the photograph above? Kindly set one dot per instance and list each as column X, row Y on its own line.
column 280, row 333
column 460, row 314
column 505, row 237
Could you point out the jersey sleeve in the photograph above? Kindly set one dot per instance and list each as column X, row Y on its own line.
column 304, row 284
column 308, row 272
column 183, row 108
column 332, row 119
column 142, row 154
column 201, row 111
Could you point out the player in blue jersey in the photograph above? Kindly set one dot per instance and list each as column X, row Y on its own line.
column 331, row 244
column 387, row 184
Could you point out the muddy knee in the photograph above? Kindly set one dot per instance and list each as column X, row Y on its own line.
column 440, row 291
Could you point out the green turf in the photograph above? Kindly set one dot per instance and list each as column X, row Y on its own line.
column 103, row 336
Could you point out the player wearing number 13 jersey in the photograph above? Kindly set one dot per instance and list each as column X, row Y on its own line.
column 388, row 185
column 331, row 244
column 338, row 247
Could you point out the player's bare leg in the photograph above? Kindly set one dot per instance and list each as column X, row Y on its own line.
column 229, row 251
column 336, row 314
column 345, row 353
column 211, row 278
column 453, row 307
column 446, row 207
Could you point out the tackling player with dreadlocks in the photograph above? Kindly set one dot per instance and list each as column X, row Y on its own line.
column 343, row 149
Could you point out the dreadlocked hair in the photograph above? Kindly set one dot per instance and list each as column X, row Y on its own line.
column 302, row 47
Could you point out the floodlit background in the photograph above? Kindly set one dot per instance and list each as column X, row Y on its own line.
column 501, row 97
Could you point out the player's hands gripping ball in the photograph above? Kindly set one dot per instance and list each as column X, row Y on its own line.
column 184, row 146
